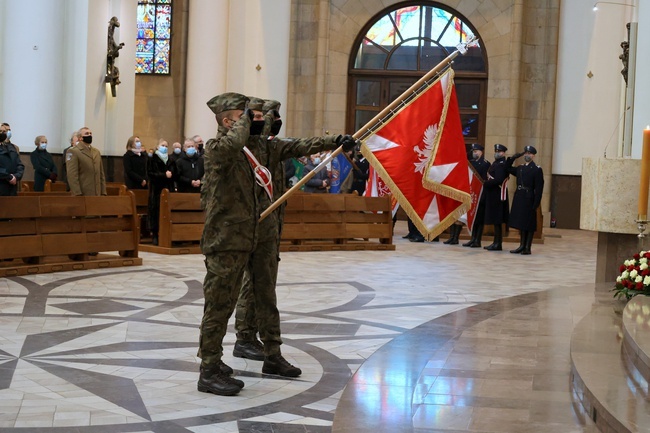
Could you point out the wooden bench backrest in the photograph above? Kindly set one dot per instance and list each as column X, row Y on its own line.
column 49, row 224
column 56, row 186
column 181, row 218
column 26, row 185
column 141, row 198
column 337, row 216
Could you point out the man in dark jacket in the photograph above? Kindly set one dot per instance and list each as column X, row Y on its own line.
column 44, row 167
column 11, row 168
column 321, row 180
column 496, row 196
column 189, row 168
column 481, row 166
column 528, row 196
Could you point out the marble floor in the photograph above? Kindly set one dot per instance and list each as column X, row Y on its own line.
column 427, row 338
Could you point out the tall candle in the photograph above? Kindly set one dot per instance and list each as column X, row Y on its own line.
column 645, row 175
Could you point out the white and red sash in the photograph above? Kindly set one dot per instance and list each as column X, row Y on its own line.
column 262, row 174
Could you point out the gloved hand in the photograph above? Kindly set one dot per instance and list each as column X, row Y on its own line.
column 347, row 141
column 518, row 155
column 53, row 177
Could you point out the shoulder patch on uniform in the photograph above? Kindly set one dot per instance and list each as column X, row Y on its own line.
column 68, row 156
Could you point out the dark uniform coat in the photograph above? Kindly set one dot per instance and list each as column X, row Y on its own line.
column 360, row 175
column 43, row 167
column 135, row 169
column 496, row 211
column 85, row 170
column 528, row 196
column 481, row 166
column 189, row 168
column 10, row 164
column 158, row 180
column 315, row 184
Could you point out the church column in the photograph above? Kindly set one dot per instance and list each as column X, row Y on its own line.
column 207, row 53
column 32, row 71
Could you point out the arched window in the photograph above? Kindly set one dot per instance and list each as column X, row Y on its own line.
column 403, row 43
column 153, row 45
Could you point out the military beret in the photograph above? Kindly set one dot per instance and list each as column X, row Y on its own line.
column 271, row 104
column 500, row 148
column 477, row 146
column 227, row 101
column 530, row 149
column 256, row 103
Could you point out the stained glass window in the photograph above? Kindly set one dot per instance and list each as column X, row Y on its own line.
column 153, row 45
column 416, row 38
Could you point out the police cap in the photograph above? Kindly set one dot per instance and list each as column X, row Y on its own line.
column 477, row 146
column 256, row 104
column 530, row 149
column 227, row 101
column 500, row 148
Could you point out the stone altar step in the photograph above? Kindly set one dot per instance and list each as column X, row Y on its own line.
column 605, row 379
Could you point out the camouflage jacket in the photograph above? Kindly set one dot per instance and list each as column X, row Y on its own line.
column 229, row 193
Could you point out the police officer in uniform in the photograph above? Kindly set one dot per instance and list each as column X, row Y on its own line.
column 528, row 196
column 496, row 197
column 481, row 166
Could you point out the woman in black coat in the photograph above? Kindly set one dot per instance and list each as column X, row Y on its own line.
column 135, row 165
column 44, row 167
column 160, row 173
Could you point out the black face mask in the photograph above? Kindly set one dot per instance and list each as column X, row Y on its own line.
column 3, row 136
column 87, row 139
column 275, row 127
column 256, row 127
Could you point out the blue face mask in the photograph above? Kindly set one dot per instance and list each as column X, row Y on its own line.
column 138, row 145
column 316, row 161
column 177, row 150
column 42, row 146
column 163, row 150
column 190, row 151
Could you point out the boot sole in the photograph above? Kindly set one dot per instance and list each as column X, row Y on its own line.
column 238, row 354
column 203, row 388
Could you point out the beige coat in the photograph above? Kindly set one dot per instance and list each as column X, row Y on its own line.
column 85, row 170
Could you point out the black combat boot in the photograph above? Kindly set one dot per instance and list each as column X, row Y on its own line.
column 498, row 239
column 249, row 349
column 477, row 235
column 214, row 381
column 454, row 232
column 276, row 364
column 528, row 243
column 522, row 242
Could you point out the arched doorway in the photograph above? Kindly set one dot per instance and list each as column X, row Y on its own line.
column 398, row 46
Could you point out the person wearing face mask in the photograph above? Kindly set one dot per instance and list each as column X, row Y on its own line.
column 74, row 138
column 7, row 129
column 44, row 167
column 321, row 181
column 189, row 169
column 234, row 194
column 198, row 141
column 11, row 168
column 481, row 166
column 84, row 167
column 160, row 174
column 496, row 196
column 135, row 164
column 528, row 197
column 176, row 153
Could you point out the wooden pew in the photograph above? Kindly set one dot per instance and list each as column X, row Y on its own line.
column 56, row 186
column 313, row 222
column 328, row 222
column 51, row 232
column 141, row 206
column 180, row 224
column 26, row 185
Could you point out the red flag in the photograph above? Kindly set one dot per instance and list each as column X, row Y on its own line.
column 475, row 191
column 375, row 187
column 420, row 155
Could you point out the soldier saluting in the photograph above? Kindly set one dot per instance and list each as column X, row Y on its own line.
column 528, row 196
column 496, row 196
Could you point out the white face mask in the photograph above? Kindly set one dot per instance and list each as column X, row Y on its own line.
column 316, row 161
column 42, row 146
column 138, row 145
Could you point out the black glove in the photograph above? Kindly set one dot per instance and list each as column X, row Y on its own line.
column 517, row 155
column 347, row 141
column 53, row 177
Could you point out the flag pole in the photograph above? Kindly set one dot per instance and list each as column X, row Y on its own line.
column 378, row 119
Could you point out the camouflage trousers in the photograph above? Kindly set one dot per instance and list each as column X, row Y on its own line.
column 257, row 303
column 220, row 290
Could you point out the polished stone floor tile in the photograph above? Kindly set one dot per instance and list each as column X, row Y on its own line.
column 427, row 338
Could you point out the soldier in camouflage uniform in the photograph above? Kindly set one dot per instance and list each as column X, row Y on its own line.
column 233, row 240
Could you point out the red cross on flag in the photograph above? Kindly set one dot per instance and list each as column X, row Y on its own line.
column 420, row 155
